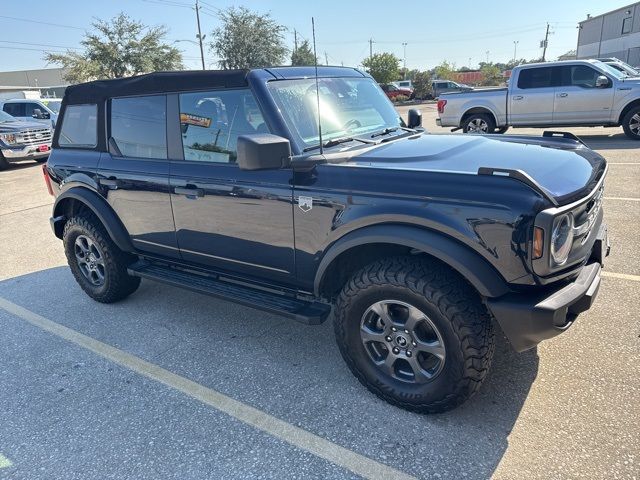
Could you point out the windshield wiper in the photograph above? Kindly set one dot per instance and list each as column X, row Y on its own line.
column 386, row 131
column 337, row 141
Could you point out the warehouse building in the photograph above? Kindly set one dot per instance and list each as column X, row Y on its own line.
column 49, row 82
column 612, row 34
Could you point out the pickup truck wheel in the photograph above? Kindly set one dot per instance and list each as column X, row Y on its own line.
column 98, row 265
column 3, row 163
column 414, row 334
column 631, row 124
column 478, row 123
column 501, row 130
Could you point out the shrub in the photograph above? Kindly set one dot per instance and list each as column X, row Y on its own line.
column 401, row 98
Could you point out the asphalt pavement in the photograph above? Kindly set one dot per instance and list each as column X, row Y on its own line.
column 172, row 384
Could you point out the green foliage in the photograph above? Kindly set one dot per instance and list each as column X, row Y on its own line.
column 445, row 71
column 492, row 74
column 422, row 84
column 303, row 55
column 400, row 98
column 120, row 47
column 384, row 67
column 247, row 39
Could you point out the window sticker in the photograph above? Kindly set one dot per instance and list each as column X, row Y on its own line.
column 195, row 120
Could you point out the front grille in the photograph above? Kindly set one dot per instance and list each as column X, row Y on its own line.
column 34, row 137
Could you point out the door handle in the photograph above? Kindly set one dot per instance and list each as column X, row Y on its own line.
column 562, row 95
column 111, row 183
column 518, row 97
column 189, row 192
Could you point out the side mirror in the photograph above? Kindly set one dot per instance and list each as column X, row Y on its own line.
column 263, row 151
column 602, row 81
column 40, row 115
column 414, row 118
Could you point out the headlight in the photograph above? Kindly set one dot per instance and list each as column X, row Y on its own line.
column 562, row 238
column 8, row 138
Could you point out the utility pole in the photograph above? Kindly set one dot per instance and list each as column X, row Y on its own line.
column 515, row 46
column 370, row 47
column 200, row 36
column 326, row 58
column 404, row 63
column 487, row 52
column 295, row 40
column 545, row 43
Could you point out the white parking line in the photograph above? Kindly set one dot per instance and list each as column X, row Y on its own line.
column 624, row 199
column 356, row 463
column 623, row 276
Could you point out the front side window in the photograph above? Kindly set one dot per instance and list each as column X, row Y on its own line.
column 578, row 76
column 30, row 109
column 535, row 78
column 79, row 126
column 211, row 123
column 348, row 107
column 139, row 126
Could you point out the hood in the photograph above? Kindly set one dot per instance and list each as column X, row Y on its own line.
column 19, row 125
column 565, row 168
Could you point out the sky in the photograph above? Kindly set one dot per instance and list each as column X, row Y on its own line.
column 463, row 32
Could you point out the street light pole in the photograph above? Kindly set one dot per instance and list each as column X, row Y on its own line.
column 404, row 62
column 487, row 52
column 200, row 37
column 515, row 46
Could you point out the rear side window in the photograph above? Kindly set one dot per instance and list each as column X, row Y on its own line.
column 535, row 78
column 14, row 109
column 79, row 126
column 139, row 126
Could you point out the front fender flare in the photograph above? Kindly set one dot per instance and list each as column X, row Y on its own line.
column 101, row 209
column 475, row 269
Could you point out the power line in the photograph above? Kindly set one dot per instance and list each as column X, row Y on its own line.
column 30, row 20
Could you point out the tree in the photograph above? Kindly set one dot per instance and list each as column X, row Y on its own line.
column 303, row 55
column 120, row 47
column 491, row 74
column 422, row 84
column 445, row 71
column 247, row 39
column 384, row 67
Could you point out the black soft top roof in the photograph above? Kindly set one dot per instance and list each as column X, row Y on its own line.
column 158, row 82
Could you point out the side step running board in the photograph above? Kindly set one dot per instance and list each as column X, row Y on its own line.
column 309, row 312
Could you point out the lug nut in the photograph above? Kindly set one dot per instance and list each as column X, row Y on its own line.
column 396, row 350
column 406, row 331
column 414, row 344
column 388, row 338
column 394, row 329
column 408, row 353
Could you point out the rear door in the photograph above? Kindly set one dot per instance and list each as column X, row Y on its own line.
column 227, row 218
column 578, row 100
column 134, row 175
column 531, row 97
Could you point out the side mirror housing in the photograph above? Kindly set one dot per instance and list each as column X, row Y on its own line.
column 414, row 118
column 263, row 151
column 602, row 81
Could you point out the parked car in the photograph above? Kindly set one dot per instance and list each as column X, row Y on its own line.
column 408, row 84
column 553, row 94
column 223, row 183
column 30, row 110
column 20, row 140
column 621, row 66
column 393, row 91
column 447, row 86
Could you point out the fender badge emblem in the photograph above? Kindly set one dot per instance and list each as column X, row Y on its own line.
column 305, row 203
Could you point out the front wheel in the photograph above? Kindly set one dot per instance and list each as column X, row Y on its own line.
column 414, row 334
column 631, row 124
column 481, row 123
column 3, row 163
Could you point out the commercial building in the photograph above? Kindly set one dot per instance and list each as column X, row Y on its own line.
column 49, row 82
column 612, row 34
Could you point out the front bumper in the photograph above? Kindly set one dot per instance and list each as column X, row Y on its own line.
column 27, row 152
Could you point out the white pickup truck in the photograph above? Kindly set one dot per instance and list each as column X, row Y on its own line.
column 552, row 94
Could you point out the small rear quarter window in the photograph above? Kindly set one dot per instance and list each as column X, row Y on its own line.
column 79, row 126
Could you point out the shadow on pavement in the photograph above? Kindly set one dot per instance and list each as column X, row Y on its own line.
column 289, row 370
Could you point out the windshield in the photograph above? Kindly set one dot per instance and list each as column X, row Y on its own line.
column 5, row 117
column 611, row 71
column 349, row 107
column 53, row 105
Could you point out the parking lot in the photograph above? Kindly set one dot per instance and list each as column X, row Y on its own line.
column 172, row 384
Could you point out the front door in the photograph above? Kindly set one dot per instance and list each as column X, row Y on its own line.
column 578, row 100
column 227, row 218
column 531, row 98
column 134, row 175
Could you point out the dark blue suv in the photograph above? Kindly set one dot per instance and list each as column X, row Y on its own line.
column 305, row 195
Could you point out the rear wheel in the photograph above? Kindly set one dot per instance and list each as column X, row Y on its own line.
column 98, row 265
column 481, row 123
column 631, row 124
column 414, row 333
